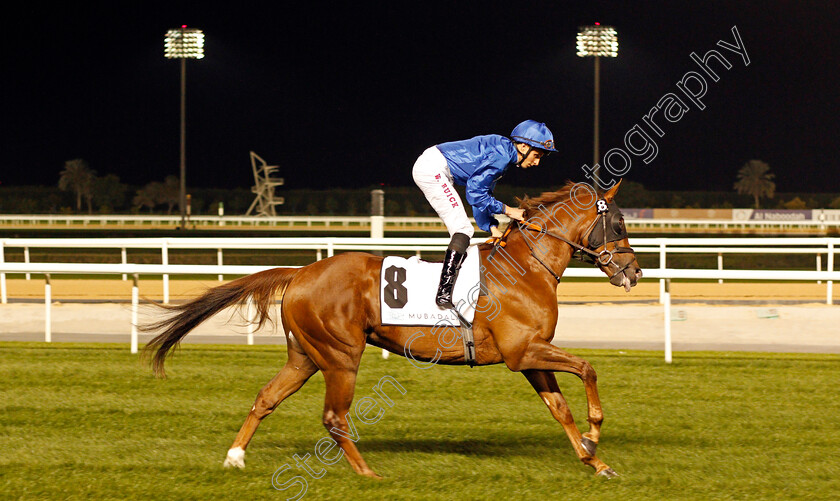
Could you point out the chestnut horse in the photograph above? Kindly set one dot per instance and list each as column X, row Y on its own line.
column 330, row 311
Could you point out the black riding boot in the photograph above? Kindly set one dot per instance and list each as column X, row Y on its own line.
column 451, row 264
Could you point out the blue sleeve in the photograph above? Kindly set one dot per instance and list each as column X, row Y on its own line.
column 479, row 191
column 484, row 221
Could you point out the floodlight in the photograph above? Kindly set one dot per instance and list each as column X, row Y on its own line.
column 184, row 43
column 597, row 40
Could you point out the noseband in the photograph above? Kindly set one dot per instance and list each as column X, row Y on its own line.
column 598, row 236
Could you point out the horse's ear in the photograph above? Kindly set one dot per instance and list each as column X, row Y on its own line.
column 610, row 194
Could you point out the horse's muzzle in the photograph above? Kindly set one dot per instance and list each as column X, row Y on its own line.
column 627, row 278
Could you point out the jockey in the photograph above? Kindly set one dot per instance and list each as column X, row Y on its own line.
column 476, row 163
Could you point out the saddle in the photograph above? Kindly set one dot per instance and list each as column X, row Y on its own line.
column 407, row 290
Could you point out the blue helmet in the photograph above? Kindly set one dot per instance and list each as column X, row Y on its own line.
column 535, row 134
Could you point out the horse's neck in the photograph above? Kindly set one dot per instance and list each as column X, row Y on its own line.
column 516, row 259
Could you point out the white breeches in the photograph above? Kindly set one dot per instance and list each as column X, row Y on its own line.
column 431, row 174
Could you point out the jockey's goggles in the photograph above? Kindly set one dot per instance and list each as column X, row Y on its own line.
column 547, row 145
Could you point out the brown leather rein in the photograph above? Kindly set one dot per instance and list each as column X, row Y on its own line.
column 603, row 258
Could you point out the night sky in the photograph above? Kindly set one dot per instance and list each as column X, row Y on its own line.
column 349, row 96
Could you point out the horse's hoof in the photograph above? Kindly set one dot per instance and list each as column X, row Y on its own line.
column 235, row 458
column 232, row 463
column 607, row 473
column 589, row 446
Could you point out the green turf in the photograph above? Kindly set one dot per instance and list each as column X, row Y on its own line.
column 90, row 422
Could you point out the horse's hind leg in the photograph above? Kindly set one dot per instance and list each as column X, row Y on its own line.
column 340, row 386
column 545, row 383
column 298, row 369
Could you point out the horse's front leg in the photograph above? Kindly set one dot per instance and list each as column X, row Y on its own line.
column 546, row 386
column 540, row 355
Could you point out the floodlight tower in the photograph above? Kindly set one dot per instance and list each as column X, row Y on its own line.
column 597, row 41
column 184, row 44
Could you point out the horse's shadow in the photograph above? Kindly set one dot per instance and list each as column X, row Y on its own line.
column 510, row 446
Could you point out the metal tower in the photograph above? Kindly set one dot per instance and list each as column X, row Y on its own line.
column 264, row 183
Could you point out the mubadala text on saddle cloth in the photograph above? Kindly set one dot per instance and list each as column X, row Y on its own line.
column 693, row 86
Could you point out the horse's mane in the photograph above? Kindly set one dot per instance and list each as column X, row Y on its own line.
column 532, row 205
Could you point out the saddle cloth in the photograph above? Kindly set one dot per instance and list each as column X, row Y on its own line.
column 407, row 289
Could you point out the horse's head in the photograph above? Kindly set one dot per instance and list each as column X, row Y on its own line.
column 592, row 224
column 606, row 235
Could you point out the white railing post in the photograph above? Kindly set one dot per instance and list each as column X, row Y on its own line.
column 667, row 302
column 124, row 260
column 3, row 298
column 819, row 266
column 135, row 295
column 220, row 261
column 164, row 256
column 720, row 265
column 330, row 250
column 250, row 313
column 47, row 309
column 662, row 260
column 830, row 267
column 26, row 258
column 377, row 213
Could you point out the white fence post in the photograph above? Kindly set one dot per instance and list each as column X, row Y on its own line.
column 219, row 259
column 47, row 309
column 662, row 267
column 3, row 298
column 164, row 256
column 135, row 295
column 830, row 267
column 124, row 260
column 26, row 258
column 249, row 316
column 819, row 266
column 720, row 265
column 668, row 354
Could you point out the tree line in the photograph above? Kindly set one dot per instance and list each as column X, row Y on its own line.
column 80, row 189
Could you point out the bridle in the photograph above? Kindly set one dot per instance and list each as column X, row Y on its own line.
column 611, row 233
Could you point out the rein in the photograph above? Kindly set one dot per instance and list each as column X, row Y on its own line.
column 603, row 258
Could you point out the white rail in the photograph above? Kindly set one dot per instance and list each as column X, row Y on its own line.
column 817, row 246
column 151, row 269
column 661, row 246
column 363, row 223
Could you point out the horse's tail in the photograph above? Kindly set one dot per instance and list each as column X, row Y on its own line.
column 262, row 287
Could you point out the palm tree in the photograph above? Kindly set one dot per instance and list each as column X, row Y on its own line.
column 77, row 176
column 109, row 192
column 755, row 179
column 148, row 196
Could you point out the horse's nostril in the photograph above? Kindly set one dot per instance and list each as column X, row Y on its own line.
column 638, row 273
